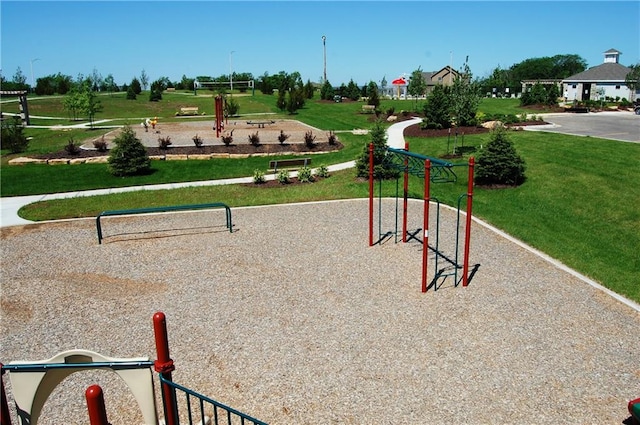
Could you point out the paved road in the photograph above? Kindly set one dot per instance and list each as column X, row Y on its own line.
column 623, row 126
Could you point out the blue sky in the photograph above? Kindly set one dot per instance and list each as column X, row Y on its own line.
column 365, row 40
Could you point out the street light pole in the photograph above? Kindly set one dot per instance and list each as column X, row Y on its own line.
column 324, row 49
column 33, row 83
column 231, row 69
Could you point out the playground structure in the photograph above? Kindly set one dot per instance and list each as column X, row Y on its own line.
column 433, row 170
column 33, row 382
column 22, row 101
column 219, row 108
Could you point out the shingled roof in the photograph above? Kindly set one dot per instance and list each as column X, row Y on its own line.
column 606, row 72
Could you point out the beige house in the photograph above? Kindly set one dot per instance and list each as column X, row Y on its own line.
column 445, row 76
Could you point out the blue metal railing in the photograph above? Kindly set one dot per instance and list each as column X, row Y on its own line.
column 195, row 405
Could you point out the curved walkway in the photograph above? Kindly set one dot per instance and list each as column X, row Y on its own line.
column 10, row 206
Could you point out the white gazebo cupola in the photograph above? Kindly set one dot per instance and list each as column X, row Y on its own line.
column 611, row 56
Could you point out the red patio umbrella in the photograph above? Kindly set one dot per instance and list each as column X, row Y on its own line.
column 399, row 82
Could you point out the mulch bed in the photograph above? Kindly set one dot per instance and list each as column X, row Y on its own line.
column 285, row 148
column 244, row 149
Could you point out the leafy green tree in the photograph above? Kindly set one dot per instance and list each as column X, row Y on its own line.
column 135, row 85
column 465, row 98
column 131, row 94
column 281, row 102
column 326, row 91
column 128, row 157
column 632, row 80
column 95, row 80
column 544, row 68
column 417, row 86
column 185, row 83
column 110, row 84
column 540, row 94
column 499, row 163
column 265, row 84
column 91, row 105
column 13, row 137
column 231, row 107
column 437, row 109
column 157, row 87
column 73, row 103
column 373, row 95
column 144, row 79
column 19, row 80
column 295, row 100
column 309, row 90
column 380, row 170
column 352, row 91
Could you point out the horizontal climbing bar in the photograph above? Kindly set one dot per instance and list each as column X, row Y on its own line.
column 151, row 210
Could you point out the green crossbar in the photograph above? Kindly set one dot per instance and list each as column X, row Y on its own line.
column 413, row 163
column 150, row 210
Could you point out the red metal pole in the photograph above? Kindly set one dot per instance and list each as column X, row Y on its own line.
column 406, row 194
column 219, row 113
column 425, row 238
column 370, row 194
column 164, row 366
column 467, row 235
column 95, row 405
column 5, row 418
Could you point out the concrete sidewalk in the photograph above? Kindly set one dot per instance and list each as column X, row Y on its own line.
column 10, row 206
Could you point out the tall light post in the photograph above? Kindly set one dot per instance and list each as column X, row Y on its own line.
column 231, row 69
column 324, row 50
column 33, row 82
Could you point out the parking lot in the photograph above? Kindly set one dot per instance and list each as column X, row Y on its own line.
column 615, row 125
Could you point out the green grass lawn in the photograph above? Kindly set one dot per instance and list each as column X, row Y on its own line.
column 578, row 204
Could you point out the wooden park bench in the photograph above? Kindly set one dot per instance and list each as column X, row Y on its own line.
column 288, row 163
column 261, row 124
column 191, row 110
column 368, row 109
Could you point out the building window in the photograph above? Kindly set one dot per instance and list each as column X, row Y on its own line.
column 617, row 86
column 573, row 86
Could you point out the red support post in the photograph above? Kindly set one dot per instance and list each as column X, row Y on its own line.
column 467, row 235
column 219, row 114
column 406, row 194
column 95, row 406
column 370, row 194
column 164, row 366
column 425, row 238
column 5, row 418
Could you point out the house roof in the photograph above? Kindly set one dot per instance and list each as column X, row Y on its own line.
column 603, row 72
column 612, row 51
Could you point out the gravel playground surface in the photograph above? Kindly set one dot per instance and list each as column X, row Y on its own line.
column 294, row 319
column 181, row 133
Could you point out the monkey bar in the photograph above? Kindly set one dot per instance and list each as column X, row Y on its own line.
column 432, row 170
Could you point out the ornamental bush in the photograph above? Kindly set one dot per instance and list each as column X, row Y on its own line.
column 305, row 175
column 129, row 156
column 13, row 137
column 498, row 163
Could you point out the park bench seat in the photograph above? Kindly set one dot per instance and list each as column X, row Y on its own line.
column 368, row 109
column 261, row 124
column 190, row 110
column 288, row 163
